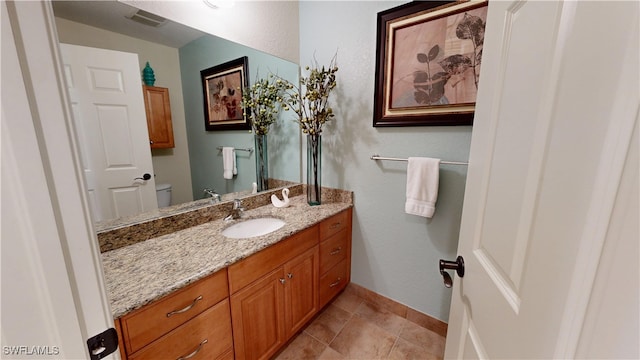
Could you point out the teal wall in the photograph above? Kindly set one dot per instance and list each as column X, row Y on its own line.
column 394, row 254
column 205, row 158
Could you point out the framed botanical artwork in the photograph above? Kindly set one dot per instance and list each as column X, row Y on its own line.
column 428, row 61
column 222, row 87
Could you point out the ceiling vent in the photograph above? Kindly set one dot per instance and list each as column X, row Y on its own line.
column 147, row 18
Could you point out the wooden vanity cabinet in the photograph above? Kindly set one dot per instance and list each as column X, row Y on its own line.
column 335, row 256
column 274, row 293
column 195, row 319
column 281, row 296
column 250, row 309
column 158, row 109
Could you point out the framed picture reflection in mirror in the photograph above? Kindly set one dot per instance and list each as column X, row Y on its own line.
column 222, row 87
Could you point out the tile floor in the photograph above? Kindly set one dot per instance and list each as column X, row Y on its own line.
column 353, row 328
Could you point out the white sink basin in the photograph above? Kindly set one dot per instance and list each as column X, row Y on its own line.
column 253, row 227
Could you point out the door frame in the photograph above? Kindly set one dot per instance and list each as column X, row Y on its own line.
column 48, row 122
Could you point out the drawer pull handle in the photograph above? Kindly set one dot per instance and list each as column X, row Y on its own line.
column 336, row 225
column 174, row 312
column 335, row 283
column 194, row 351
column 336, row 251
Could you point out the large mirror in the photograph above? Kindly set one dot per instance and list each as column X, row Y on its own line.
column 177, row 54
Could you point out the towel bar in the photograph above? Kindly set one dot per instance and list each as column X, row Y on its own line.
column 378, row 157
column 238, row 149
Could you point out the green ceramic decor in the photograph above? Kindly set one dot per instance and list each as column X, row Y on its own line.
column 147, row 75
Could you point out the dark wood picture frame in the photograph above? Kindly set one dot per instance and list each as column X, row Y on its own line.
column 222, row 87
column 425, row 49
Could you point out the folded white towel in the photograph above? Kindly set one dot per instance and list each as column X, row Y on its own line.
column 228, row 162
column 423, row 175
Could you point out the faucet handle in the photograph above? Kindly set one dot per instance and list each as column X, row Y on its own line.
column 237, row 204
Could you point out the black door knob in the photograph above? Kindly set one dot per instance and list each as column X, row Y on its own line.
column 457, row 265
column 145, row 177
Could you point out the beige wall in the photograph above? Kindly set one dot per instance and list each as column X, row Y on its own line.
column 170, row 165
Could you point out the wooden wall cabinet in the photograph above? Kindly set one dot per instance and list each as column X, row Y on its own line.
column 158, row 109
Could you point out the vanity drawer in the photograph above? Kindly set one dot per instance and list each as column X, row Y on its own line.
column 333, row 281
column 333, row 250
column 210, row 332
column 334, row 224
column 152, row 321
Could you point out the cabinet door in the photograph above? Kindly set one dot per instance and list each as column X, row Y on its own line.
column 156, row 102
column 301, row 289
column 257, row 313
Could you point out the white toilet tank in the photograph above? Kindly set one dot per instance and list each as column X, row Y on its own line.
column 163, row 193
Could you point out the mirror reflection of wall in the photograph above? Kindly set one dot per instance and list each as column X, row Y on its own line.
column 283, row 138
column 195, row 162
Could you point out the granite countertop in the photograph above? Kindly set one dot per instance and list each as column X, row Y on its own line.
column 138, row 274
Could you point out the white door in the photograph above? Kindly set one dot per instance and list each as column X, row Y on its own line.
column 53, row 292
column 108, row 108
column 555, row 115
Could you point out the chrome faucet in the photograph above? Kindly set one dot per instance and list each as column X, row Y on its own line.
column 215, row 197
column 236, row 210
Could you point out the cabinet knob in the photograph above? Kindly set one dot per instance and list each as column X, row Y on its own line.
column 290, row 275
column 151, row 142
column 282, row 281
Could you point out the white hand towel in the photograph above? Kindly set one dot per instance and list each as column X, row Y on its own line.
column 423, row 175
column 228, row 162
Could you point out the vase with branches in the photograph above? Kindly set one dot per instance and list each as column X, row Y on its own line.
column 261, row 103
column 310, row 102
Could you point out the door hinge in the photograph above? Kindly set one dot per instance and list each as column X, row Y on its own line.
column 103, row 344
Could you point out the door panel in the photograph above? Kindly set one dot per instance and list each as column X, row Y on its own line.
column 301, row 292
column 517, row 133
column 551, row 130
column 108, row 108
column 257, row 313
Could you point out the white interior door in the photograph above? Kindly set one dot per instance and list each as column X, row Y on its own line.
column 53, row 292
column 556, row 110
column 108, row 110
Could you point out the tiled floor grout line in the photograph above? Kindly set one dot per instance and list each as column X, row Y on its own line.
column 351, row 315
column 341, row 328
column 395, row 343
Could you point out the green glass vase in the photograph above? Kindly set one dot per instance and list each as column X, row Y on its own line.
column 262, row 162
column 314, row 169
